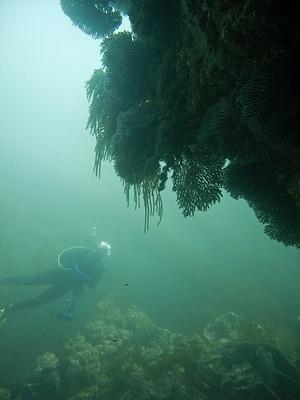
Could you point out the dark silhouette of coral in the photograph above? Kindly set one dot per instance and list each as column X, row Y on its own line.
column 133, row 147
column 270, row 102
column 96, row 18
column 197, row 180
column 224, row 132
column 256, row 132
column 263, row 186
column 193, row 87
column 115, row 90
column 133, row 144
column 153, row 17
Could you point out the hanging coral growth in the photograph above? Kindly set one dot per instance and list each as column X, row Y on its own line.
column 96, row 18
column 194, row 87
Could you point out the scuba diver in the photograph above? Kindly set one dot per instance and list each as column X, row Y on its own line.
column 77, row 268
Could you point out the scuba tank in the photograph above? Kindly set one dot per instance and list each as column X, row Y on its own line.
column 67, row 264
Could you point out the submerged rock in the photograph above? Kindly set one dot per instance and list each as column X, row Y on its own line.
column 4, row 394
column 45, row 381
column 242, row 382
column 123, row 355
column 232, row 328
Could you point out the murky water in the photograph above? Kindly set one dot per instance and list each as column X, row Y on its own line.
column 182, row 273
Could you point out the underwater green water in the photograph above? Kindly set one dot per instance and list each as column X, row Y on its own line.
column 182, row 273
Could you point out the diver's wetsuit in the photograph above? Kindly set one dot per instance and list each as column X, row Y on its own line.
column 83, row 267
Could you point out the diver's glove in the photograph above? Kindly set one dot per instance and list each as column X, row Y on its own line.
column 3, row 317
column 4, row 314
column 68, row 315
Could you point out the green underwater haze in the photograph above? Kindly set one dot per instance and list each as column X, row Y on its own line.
column 172, row 280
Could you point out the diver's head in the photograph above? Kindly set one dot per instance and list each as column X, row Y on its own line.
column 105, row 248
column 102, row 249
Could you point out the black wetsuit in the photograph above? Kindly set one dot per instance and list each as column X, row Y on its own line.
column 83, row 267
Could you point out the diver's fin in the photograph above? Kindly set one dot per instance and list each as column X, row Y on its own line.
column 3, row 316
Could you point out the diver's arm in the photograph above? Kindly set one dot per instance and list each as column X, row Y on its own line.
column 95, row 279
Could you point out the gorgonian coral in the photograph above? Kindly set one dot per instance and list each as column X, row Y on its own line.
column 116, row 88
column 196, row 85
column 197, row 180
column 97, row 18
column 270, row 102
column 133, row 144
column 263, row 186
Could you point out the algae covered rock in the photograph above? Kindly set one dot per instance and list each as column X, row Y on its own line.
column 81, row 364
column 90, row 393
column 255, row 368
column 123, row 355
column 46, row 362
column 242, row 382
column 118, row 324
column 4, row 394
column 231, row 327
column 45, row 381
